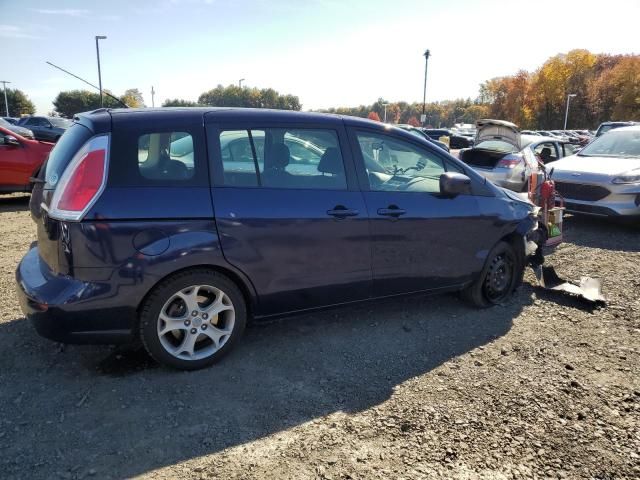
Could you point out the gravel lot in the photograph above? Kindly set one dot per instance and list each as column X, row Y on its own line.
column 425, row 387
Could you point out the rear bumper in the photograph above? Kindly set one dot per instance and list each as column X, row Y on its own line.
column 70, row 310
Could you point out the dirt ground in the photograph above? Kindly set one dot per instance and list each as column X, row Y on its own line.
column 422, row 387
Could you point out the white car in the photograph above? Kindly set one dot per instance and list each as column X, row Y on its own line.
column 604, row 177
column 507, row 158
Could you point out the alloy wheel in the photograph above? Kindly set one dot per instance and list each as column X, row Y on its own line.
column 195, row 322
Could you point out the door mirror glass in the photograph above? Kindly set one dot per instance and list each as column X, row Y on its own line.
column 453, row 184
column 11, row 141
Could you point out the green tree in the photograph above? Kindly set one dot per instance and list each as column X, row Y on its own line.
column 19, row 103
column 234, row 96
column 176, row 102
column 67, row 104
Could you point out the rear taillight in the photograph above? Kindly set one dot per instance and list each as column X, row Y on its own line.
column 82, row 181
column 509, row 161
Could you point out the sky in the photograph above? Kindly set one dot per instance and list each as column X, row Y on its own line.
column 329, row 53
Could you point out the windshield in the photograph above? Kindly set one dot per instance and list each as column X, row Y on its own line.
column 4, row 123
column 60, row 122
column 617, row 143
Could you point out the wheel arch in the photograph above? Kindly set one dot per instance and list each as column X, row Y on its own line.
column 245, row 286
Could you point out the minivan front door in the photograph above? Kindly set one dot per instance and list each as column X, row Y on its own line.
column 421, row 240
column 290, row 214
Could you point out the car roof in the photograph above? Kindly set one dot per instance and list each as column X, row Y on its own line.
column 630, row 128
column 236, row 112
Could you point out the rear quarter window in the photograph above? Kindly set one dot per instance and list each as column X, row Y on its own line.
column 72, row 140
column 147, row 154
column 166, row 156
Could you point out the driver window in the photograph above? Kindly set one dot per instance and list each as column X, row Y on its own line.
column 546, row 151
column 396, row 165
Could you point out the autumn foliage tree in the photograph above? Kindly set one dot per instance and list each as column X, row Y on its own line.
column 413, row 121
column 607, row 87
column 373, row 116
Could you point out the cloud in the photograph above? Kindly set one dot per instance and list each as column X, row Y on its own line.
column 13, row 31
column 70, row 12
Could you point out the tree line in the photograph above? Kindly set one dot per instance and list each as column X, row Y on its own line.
column 606, row 87
column 236, row 96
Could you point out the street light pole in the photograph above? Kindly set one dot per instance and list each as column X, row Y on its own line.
column 6, row 103
column 240, row 82
column 99, row 37
column 153, row 94
column 385, row 112
column 566, row 113
column 427, row 54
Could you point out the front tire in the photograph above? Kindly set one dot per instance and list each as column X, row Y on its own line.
column 500, row 276
column 192, row 319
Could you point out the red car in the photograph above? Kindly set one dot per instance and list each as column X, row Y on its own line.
column 20, row 159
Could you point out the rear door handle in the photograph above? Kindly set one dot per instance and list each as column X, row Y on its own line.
column 392, row 211
column 341, row 211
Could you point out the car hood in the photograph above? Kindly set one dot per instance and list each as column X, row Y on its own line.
column 517, row 197
column 594, row 165
column 25, row 132
column 498, row 130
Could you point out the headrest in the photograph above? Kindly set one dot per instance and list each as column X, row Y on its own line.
column 331, row 162
column 278, row 156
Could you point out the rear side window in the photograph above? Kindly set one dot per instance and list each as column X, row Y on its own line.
column 166, row 156
column 165, row 152
column 72, row 140
column 282, row 158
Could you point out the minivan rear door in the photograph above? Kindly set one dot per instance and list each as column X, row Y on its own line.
column 289, row 212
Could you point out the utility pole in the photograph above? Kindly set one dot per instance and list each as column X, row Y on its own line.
column 99, row 37
column 153, row 92
column 566, row 113
column 427, row 54
column 385, row 112
column 6, row 103
column 240, row 82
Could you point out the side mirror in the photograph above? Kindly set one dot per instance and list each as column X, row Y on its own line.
column 11, row 141
column 453, row 184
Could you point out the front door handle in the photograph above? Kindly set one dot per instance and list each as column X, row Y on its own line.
column 340, row 211
column 392, row 211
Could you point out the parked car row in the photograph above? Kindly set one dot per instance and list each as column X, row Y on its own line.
column 578, row 137
column 49, row 129
column 602, row 178
column 455, row 140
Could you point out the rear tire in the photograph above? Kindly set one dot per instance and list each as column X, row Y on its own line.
column 500, row 276
column 192, row 319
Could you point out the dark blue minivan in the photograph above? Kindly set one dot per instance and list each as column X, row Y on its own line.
column 177, row 226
